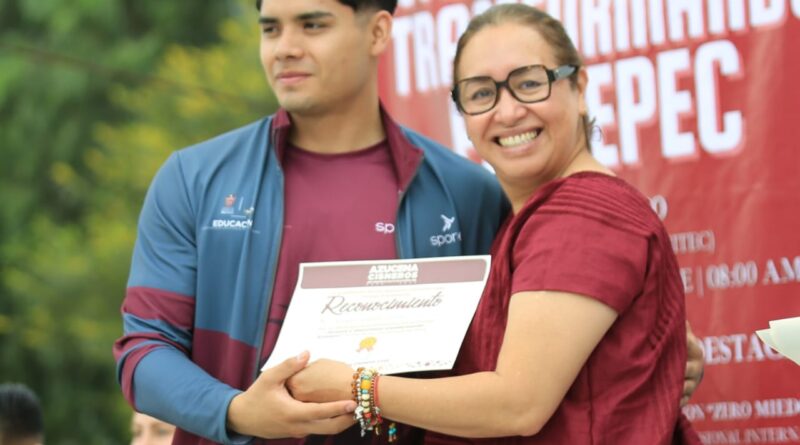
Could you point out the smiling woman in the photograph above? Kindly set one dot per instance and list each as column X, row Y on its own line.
column 532, row 141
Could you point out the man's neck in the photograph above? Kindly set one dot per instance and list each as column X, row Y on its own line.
column 350, row 128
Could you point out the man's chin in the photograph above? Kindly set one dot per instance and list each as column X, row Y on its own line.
column 300, row 107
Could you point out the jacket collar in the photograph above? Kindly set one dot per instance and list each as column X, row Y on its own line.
column 281, row 124
column 406, row 157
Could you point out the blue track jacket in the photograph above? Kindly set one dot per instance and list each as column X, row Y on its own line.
column 201, row 279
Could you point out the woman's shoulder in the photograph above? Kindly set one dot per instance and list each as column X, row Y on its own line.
column 596, row 196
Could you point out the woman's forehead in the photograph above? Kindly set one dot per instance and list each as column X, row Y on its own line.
column 497, row 49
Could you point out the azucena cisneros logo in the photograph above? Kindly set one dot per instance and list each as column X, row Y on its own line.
column 393, row 273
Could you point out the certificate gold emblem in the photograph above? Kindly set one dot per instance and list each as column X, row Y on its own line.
column 366, row 344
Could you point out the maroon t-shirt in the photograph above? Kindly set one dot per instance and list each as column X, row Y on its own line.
column 337, row 207
column 594, row 235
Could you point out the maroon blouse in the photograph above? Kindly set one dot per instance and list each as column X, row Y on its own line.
column 594, row 235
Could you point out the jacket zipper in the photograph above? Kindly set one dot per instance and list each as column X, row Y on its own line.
column 265, row 312
column 401, row 196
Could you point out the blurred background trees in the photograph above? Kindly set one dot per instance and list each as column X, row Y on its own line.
column 94, row 95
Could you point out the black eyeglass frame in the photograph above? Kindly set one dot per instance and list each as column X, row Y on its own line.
column 552, row 76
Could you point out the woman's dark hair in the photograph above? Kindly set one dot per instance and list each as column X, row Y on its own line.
column 551, row 30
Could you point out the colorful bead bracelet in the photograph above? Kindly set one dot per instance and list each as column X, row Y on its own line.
column 368, row 414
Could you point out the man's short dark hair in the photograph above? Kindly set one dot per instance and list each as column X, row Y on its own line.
column 20, row 412
column 360, row 5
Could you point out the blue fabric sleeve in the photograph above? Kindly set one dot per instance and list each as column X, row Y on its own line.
column 172, row 388
column 166, row 383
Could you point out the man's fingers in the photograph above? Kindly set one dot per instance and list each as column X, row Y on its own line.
column 310, row 412
column 320, row 418
column 285, row 369
column 694, row 365
column 689, row 386
column 688, row 389
column 693, row 370
column 333, row 425
column 693, row 348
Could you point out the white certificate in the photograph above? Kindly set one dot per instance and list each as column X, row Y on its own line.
column 391, row 315
column 784, row 337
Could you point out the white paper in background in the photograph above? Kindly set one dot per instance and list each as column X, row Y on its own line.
column 783, row 336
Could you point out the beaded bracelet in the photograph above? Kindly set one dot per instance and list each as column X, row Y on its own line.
column 392, row 430
column 368, row 415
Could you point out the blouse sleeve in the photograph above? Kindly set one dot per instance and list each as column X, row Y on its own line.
column 581, row 253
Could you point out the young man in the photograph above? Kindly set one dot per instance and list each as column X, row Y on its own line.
column 20, row 416
column 225, row 224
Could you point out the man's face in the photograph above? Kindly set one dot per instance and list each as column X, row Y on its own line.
column 317, row 54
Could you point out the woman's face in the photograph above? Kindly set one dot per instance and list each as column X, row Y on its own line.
column 526, row 144
column 148, row 430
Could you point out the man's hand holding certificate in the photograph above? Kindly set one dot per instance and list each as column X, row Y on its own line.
column 394, row 315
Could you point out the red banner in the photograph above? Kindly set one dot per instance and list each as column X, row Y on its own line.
column 698, row 105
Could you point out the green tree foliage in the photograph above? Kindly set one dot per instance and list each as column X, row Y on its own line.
column 94, row 95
